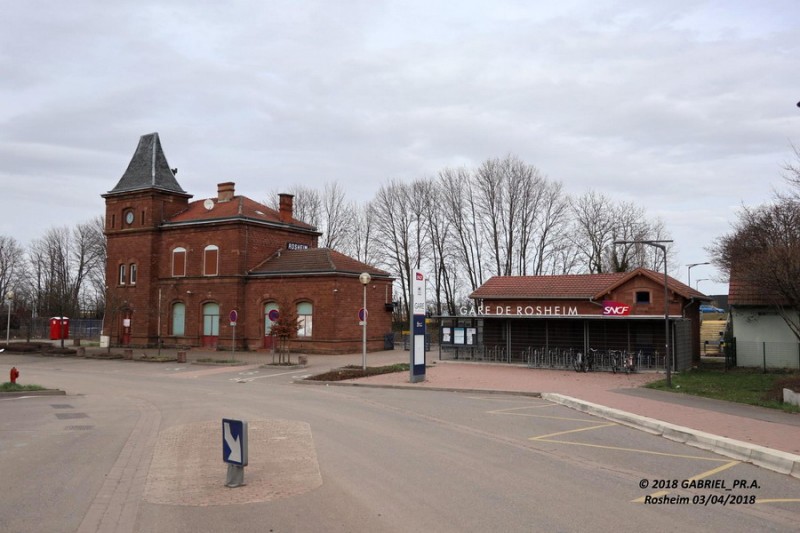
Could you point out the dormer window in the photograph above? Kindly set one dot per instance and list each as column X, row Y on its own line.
column 642, row 297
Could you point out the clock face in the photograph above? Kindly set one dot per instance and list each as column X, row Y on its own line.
column 129, row 217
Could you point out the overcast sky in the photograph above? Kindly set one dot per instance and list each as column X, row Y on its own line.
column 687, row 107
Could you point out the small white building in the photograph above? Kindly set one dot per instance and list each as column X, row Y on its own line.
column 762, row 336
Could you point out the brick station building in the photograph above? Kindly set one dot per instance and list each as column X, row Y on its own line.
column 527, row 319
column 177, row 269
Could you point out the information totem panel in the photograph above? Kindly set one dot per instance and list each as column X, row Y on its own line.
column 417, row 327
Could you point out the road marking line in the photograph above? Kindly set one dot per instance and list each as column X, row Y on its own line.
column 715, row 470
column 568, row 419
column 281, row 374
column 654, row 495
column 515, row 399
column 644, row 452
column 574, row 431
column 534, row 406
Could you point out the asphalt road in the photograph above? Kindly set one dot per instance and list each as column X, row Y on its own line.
column 138, row 447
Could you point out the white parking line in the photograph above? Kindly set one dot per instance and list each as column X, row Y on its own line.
column 248, row 380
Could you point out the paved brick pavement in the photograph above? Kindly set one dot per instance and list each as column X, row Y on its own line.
column 760, row 426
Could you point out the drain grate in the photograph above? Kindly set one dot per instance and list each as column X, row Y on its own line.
column 68, row 416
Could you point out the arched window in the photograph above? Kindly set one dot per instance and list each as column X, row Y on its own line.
column 304, row 319
column 211, row 260
column 122, row 277
column 270, row 312
column 179, row 262
column 179, row 319
column 132, row 273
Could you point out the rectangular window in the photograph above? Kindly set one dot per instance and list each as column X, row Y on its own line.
column 304, row 319
column 178, row 319
column 642, row 297
column 132, row 274
column 122, row 274
column 178, row 262
column 211, row 261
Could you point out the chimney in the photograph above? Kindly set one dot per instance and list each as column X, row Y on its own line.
column 286, row 207
column 225, row 191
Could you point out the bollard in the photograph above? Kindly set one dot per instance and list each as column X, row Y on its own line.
column 14, row 374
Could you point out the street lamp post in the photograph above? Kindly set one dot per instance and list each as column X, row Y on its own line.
column 697, row 283
column 364, row 278
column 9, row 299
column 661, row 245
column 689, row 271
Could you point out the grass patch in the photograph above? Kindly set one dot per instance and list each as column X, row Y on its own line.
column 157, row 358
column 16, row 387
column 740, row 385
column 353, row 372
column 210, row 361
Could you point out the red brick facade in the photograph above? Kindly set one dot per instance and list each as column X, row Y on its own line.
column 195, row 262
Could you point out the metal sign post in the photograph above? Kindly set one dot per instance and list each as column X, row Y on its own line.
column 234, row 450
column 417, row 327
column 233, row 316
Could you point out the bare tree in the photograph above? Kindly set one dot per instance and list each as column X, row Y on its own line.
column 437, row 231
column 11, row 265
column 62, row 264
column 396, row 230
column 337, row 217
column 552, row 251
column 460, row 210
column 93, row 291
column 88, row 263
column 307, row 204
column 599, row 222
column 763, row 254
column 593, row 232
column 361, row 243
column 328, row 211
column 491, row 195
column 509, row 195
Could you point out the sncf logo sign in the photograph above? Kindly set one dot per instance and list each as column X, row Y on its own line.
column 610, row 307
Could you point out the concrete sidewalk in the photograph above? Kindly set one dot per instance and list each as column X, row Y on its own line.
column 765, row 437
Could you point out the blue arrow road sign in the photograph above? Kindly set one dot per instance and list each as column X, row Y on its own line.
column 234, row 442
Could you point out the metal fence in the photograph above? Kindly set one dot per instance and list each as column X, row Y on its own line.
column 598, row 344
column 39, row 328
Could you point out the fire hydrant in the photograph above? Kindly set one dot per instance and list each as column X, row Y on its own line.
column 14, row 374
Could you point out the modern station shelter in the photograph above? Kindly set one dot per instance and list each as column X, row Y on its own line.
column 544, row 321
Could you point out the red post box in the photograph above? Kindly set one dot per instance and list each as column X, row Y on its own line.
column 59, row 328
